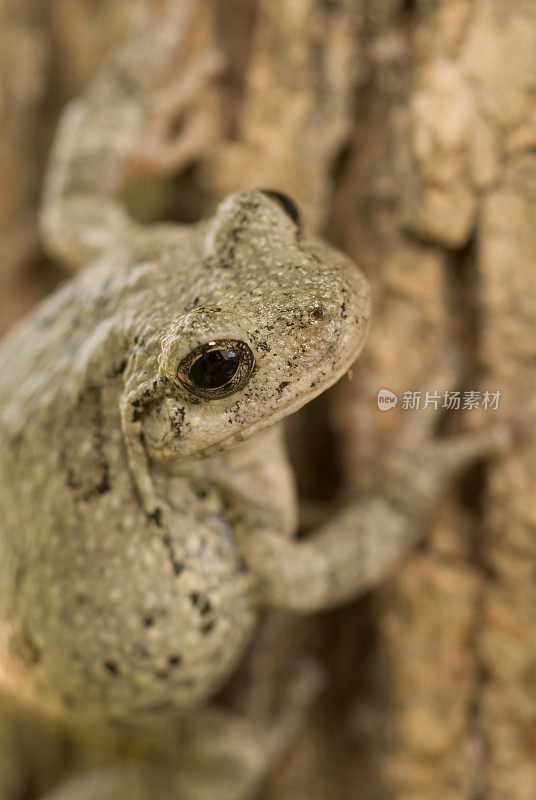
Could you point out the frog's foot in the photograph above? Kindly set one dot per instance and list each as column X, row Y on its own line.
column 221, row 756
column 420, row 466
column 181, row 127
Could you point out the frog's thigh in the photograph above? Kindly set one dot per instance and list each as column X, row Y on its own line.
column 146, row 782
column 224, row 758
column 123, row 782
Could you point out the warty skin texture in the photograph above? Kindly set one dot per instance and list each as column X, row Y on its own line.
column 143, row 528
column 109, row 611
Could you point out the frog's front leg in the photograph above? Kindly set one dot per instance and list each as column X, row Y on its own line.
column 122, row 124
column 362, row 544
column 131, row 411
column 137, row 458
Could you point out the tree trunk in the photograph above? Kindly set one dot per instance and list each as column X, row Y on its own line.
column 406, row 131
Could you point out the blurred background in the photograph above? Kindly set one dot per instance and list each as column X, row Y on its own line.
column 406, row 132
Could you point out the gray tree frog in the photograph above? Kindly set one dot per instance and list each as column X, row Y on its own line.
column 148, row 507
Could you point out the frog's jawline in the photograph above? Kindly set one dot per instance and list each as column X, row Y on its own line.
column 263, row 424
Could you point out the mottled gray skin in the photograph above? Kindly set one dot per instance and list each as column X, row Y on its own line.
column 108, row 608
column 142, row 527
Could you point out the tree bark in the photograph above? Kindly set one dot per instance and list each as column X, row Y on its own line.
column 406, row 132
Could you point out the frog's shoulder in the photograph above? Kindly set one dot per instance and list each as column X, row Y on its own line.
column 84, row 331
column 39, row 356
column 127, row 279
column 51, row 334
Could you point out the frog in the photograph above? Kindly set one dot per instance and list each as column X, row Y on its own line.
column 149, row 509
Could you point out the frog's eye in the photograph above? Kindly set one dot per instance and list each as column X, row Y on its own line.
column 216, row 369
column 286, row 203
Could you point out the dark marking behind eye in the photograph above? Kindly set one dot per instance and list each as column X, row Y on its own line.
column 285, row 202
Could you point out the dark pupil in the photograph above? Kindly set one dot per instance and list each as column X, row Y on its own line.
column 214, row 368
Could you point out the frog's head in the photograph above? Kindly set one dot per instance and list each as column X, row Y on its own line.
column 277, row 318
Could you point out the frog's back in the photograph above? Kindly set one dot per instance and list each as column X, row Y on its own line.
column 37, row 356
column 43, row 358
column 53, row 407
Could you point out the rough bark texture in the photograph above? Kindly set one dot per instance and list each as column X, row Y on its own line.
column 407, row 133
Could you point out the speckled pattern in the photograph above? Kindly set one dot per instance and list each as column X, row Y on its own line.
column 111, row 607
column 143, row 526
